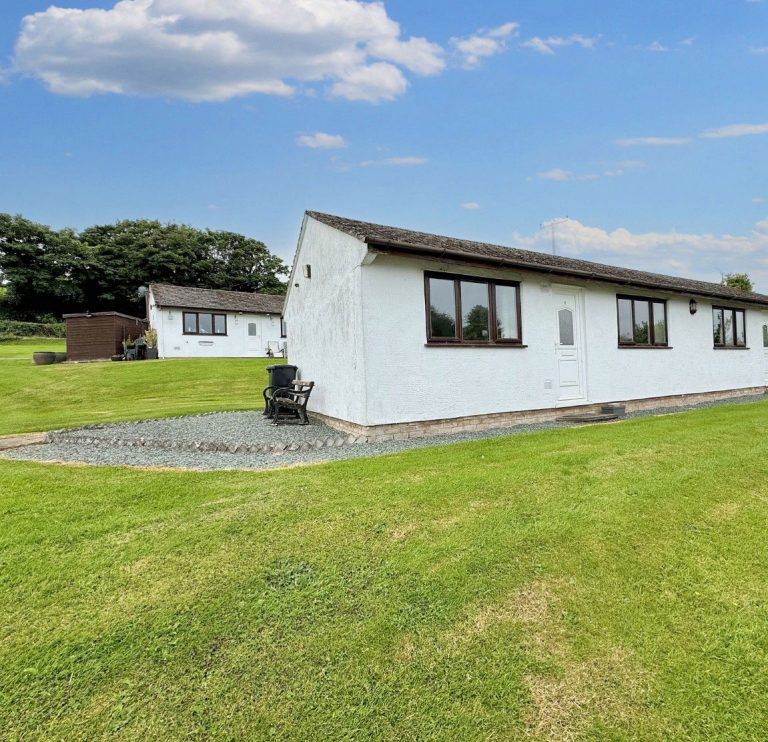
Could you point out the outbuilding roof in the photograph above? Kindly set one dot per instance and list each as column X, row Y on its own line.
column 185, row 297
column 422, row 244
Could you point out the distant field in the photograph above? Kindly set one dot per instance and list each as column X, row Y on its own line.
column 37, row 398
column 23, row 348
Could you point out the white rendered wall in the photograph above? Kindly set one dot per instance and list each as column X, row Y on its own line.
column 324, row 319
column 408, row 381
column 237, row 343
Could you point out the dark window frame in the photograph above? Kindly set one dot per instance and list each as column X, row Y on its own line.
column 651, row 324
column 212, row 315
column 283, row 328
column 734, row 311
column 458, row 340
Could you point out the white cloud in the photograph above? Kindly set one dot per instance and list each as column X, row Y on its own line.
column 760, row 200
column 395, row 162
column 656, row 46
column 653, row 141
column 210, row 51
column 696, row 255
column 418, row 55
column 735, row 130
column 373, row 83
column 619, row 169
column 759, row 50
column 472, row 50
column 688, row 42
column 321, row 140
column 548, row 45
column 470, row 206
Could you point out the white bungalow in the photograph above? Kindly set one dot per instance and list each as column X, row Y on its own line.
column 405, row 332
column 203, row 323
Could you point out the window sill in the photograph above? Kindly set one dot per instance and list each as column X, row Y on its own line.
column 202, row 335
column 646, row 347
column 474, row 345
column 731, row 347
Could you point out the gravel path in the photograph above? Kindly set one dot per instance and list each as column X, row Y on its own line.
column 251, row 427
column 248, row 428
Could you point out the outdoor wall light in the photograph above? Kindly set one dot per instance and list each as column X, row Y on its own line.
column 693, row 306
column 307, row 271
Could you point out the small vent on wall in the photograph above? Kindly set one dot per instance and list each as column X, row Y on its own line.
column 547, row 383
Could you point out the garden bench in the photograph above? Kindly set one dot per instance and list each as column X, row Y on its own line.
column 289, row 401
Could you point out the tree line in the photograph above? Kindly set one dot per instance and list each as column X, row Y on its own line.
column 45, row 272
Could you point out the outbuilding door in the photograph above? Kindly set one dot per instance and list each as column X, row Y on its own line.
column 569, row 345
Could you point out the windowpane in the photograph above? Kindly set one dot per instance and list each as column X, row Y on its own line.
column 190, row 322
column 252, row 329
column 717, row 325
column 442, row 308
column 741, row 334
column 626, row 334
column 565, row 326
column 728, row 327
column 506, row 313
column 642, row 321
column 659, row 324
column 474, row 308
column 206, row 324
column 220, row 324
column 765, row 336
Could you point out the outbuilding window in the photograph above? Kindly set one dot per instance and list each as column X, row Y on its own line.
column 205, row 323
column 642, row 322
column 729, row 327
column 463, row 310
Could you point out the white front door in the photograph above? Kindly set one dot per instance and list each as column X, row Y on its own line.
column 765, row 345
column 253, row 338
column 569, row 351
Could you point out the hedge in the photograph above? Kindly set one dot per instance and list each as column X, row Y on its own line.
column 12, row 328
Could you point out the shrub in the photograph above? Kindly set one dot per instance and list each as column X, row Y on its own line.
column 12, row 328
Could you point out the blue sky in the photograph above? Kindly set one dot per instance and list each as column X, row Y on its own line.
column 645, row 123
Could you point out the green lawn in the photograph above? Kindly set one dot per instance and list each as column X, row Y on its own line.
column 23, row 348
column 37, row 398
column 599, row 583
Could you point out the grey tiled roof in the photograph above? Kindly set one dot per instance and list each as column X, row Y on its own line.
column 185, row 297
column 425, row 244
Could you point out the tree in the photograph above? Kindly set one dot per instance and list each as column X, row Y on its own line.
column 243, row 264
column 51, row 272
column 738, row 281
column 44, row 271
column 135, row 253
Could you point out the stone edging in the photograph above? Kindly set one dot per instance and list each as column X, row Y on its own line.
column 9, row 442
column 80, row 438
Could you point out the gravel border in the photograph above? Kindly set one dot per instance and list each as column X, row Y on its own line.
column 201, row 459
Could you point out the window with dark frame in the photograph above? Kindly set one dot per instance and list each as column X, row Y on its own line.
column 283, row 328
column 205, row 323
column 642, row 322
column 729, row 328
column 463, row 310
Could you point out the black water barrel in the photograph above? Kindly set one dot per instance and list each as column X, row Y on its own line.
column 281, row 374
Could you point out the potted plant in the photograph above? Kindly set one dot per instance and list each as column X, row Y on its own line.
column 129, row 346
column 150, row 337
